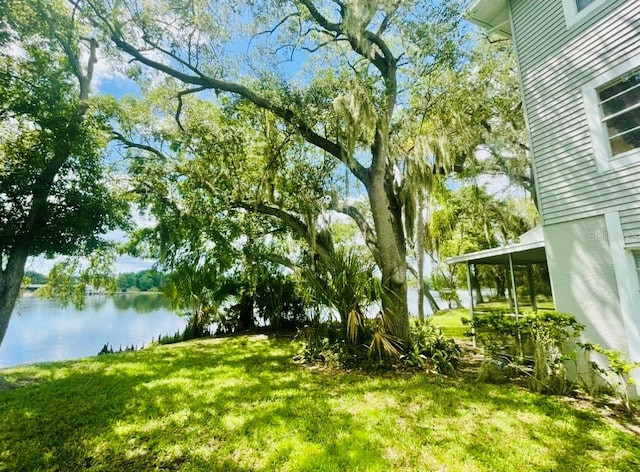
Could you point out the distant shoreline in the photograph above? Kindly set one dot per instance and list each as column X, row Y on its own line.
column 29, row 294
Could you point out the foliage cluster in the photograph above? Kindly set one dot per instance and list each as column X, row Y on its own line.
column 32, row 277
column 143, row 281
column 108, row 349
column 538, row 345
column 470, row 219
column 616, row 371
column 328, row 343
column 71, row 279
column 430, row 349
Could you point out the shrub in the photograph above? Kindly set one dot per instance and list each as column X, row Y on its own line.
column 346, row 283
column 328, row 343
column 549, row 333
column 107, row 349
column 616, row 373
column 430, row 349
column 279, row 303
column 535, row 344
column 497, row 331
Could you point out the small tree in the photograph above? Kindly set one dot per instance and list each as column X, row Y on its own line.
column 54, row 198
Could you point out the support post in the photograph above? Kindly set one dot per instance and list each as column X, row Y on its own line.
column 532, row 288
column 513, row 287
column 471, row 304
column 515, row 303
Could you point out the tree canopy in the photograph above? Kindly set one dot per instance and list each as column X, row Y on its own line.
column 256, row 123
column 325, row 78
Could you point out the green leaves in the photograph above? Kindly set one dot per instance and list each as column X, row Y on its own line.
column 73, row 278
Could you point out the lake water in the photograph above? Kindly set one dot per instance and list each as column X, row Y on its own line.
column 40, row 330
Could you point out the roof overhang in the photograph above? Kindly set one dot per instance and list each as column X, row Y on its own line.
column 492, row 15
column 521, row 254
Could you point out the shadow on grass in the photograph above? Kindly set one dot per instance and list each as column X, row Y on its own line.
column 238, row 405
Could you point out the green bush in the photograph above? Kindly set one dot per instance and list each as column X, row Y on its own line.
column 430, row 349
column 616, row 373
column 278, row 302
column 535, row 344
column 328, row 343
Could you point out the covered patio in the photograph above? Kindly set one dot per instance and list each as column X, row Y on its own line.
column 528, row 252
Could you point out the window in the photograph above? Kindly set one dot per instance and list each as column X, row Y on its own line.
column 620, row 108
column 582, row 4
column 577, row 10
column 612, row 106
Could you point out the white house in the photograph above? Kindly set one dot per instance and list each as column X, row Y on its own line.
column 579, row 63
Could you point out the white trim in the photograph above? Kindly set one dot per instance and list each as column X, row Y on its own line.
column 597, row 128
column 573, row 17
column 628, row 286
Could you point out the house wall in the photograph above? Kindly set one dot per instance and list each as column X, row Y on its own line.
column 583, row 279
column 592, row 277
column 555, row 62
column 590, row 211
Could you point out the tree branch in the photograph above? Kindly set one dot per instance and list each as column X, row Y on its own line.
column 179, row 97
column 131, row 144
column 206, row 82
column 273, row 257
column 291, row 221
column 365, row 228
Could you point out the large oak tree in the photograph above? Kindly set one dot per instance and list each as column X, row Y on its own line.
column 269, row 53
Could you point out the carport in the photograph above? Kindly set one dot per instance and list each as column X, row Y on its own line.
column 530, row 251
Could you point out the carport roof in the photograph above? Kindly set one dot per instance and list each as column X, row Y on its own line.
column 521, row 254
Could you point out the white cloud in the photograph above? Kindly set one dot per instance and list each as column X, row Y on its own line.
column 105, row 70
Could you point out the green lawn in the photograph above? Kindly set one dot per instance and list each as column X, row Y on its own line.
column 242, row 404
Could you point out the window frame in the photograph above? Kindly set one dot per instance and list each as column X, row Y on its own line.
column 635, row 253
column 605, row 160
column 573, row 17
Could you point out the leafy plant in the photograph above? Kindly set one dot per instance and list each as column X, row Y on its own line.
column 345, row 284
column 430, row 349
column 549, row 332
column 278, row 301
column 496, row 331
column 534, row 344
column 616, row 373
column 327, row 343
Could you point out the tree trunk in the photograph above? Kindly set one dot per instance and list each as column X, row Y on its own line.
column 420, row 257
column 392, row 251
column 245, row 313
column 432, row 301
column 10, row 282
column 475, row 282
column 500, row 286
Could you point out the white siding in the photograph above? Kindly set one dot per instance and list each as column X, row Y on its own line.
column 583, row 279
column 630, row 220
column 555, row 63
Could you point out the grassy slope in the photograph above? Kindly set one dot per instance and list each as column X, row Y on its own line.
column 243, row 405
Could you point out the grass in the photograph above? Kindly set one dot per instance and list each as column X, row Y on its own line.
column 242, row 404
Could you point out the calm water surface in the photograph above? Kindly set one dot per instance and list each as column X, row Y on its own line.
column 40, row 330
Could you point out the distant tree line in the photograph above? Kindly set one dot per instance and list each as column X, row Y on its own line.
column 143, row 281
column 36, row 277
